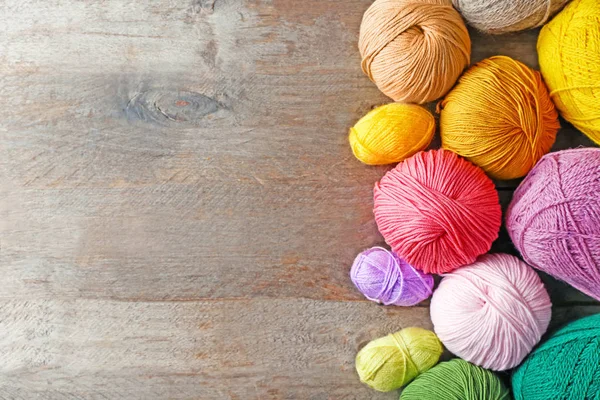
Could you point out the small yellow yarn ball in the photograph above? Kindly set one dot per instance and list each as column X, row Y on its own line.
column 500, row 117
column 569, row 56
column 391, row 133
column 390, row 362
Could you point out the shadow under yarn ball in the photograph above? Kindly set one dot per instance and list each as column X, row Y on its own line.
column 569, row 55
column 492, row 312
column 414, row 50
column 503, row 16
column 456, row 380
column 554, row 218
column 500, row 117
column 437, row 211
column 566, row 366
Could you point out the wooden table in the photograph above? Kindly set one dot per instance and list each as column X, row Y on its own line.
column 179, row 206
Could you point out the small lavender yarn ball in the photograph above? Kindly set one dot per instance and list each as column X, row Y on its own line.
column 385, row 278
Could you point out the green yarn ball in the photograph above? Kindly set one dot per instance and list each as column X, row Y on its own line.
column 566, row 366
column 456, row 380
column 390, row 362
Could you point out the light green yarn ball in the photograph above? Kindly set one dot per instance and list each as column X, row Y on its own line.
column 390, row 362
column 456, row 380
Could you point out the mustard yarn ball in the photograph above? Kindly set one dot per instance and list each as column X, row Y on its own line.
column 503, row 16
column 391, row 133
column 500, row 117
column 390, row 362
column 569, row 55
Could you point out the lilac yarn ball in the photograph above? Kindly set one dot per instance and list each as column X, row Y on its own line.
column 554, row 218
column 385, row 278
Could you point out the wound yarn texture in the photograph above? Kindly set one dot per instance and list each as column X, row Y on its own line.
column 456, row 380
column 390, row 362
column 503, row 16
column 554, row 218
column 492, row 312
column 437, row 211
column 391, row 133
column 566, row 366
column 500, row 117
column 569, row 55
column 385, row 278
column 414, row 50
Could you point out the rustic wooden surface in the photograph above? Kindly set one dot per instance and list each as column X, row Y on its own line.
column 179, row 207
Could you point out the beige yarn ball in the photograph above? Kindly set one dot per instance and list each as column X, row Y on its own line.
column 503, row 16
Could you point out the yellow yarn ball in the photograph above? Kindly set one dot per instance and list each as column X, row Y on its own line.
column 391, row 133
column 390, row 362
column 569, row 55
column 500, row 117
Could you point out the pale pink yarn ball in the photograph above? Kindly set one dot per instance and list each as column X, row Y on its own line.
column 492, row 312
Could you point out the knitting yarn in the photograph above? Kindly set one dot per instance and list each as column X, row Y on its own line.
column 502, row 16
column 437, row 211
column 492, row 312
column 566, row 366
column 456, row 380
column 414, row 50
column 554, row 218
column 391, row 133
column 385, row 278
column 499, row 117
column 569, row 56
column 390, row 362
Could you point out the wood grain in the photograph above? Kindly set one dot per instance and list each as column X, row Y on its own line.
column 179, row 206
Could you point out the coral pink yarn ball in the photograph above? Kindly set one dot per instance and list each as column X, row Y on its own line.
column 492, row 312
column 437, row 211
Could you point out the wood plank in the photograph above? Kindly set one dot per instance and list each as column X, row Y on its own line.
column 222, row 349
column 171, row 243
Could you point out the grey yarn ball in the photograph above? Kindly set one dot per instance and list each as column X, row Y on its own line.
column 503, row 16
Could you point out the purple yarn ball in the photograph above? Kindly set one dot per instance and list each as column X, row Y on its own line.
column 385, row 278
column 554, row 218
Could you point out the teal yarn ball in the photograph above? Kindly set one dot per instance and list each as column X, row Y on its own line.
column 566, row 366
column 456, row 380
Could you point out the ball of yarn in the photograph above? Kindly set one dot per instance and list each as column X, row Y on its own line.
column 566, row 366
column 502, row 16
column 554, row 218
column 492, row 312
column 391, row 133
column 385, row 278
column 437, row 211
column 569, row 56
column 500, row 117
column 456, row 380
column 414, row 50
column 390, row 362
